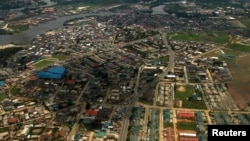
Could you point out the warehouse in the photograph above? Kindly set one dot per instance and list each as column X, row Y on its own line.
column 56, row 72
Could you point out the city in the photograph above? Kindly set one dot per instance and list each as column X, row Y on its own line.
column 122, row 71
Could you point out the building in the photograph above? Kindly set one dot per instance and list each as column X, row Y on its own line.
column 56, row 72
column 185, row 115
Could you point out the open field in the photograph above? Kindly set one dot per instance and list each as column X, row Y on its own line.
column 240, row 70
column 239, row 47
column 44, row 63
column 246, row 22
column 237, row 23
column 239, row 86
column 184, row 93
column 219, row 38
column 186, row 125
column 61, row 57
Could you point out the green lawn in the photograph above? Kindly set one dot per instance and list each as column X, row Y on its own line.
column 189, row 90
column 2, row 96
column 184, row 95
column 61, row 57
column 198, row 104
column 219, row 38
column 239, row 47
column 43, row 63
column 186, row 125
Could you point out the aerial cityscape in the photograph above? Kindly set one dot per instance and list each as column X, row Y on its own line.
column 122, row 70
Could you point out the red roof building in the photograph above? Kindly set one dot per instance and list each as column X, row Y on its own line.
column 185, row 115
column 13, row 120
column 33, row 78
column 169, row 134
column 62, row 133
column 91, row 112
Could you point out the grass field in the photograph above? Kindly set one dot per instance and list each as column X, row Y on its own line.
column 239, row 47
column 186, row 125
column 189, row 90
column 185, row 94
column 61, row 57
column 219, row 38
column 43, row 63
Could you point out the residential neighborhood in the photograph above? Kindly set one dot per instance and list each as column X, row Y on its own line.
column 126, row 76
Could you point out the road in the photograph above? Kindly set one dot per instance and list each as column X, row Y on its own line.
column 82, row 105
column 125, row 124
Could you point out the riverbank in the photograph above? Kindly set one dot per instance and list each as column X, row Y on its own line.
column 11, row 46
column 26, row 36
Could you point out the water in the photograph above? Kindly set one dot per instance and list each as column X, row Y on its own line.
column 158, row 10
column 49, row 3
column 27, row 36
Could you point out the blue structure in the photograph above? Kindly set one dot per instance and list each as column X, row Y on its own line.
column 55, row 72
column 2, row 83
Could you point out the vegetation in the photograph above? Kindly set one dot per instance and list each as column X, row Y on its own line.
column 2, row 96
column 18, row 28
column 174, row 8
column 7, row 53
column 246, row 22
column 219, row 38
column 14, row 90
column 2, row 32
column 185, row 97
column 4, row 129
column 61, row 57
column 87, row 2
column 189, row 90
column 168, row 124
column 164, row 59
column 43, row 63
column 239, row 47
column 186, row 125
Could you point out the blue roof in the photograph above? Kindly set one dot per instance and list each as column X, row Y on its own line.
column 106, row 124
column 57, row 69
column 2, row 83
column 52, row 73
column 77, row 137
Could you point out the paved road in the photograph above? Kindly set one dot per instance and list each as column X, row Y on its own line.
column 76, row 124
column 125, row 124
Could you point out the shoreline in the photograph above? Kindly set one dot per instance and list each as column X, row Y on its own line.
column 11, row 46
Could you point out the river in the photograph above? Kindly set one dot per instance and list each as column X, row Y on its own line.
column 158, row 10
column 26, row 36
